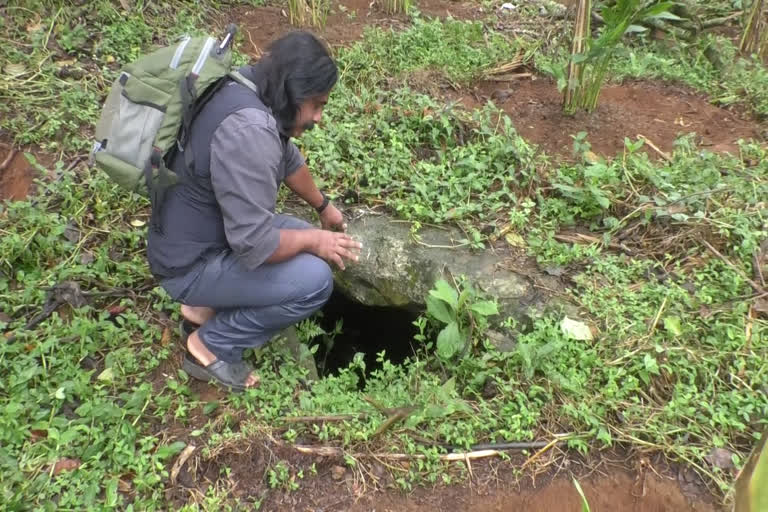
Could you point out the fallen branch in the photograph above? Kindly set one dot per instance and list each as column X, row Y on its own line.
column 716, row 22
column 759, row 289
column 510, row 446
column 330, row 451
column 578, row 238
column 478, row 451
column 654, row 147
column 509, row 78
column 395, row 417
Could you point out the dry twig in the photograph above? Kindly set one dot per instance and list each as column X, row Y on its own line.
column 759, row 289
column 319, row 419
column 332, row 451
column 654, row 147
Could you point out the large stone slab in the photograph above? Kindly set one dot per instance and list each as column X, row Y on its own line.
column 398, row 269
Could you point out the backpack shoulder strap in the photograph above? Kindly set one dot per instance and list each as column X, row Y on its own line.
column 239, row 78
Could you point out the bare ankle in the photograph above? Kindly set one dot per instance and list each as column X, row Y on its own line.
column 198, row 349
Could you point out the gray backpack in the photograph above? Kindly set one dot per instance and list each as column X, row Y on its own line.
column 150, row 108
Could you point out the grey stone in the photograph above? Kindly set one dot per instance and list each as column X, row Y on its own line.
column 396, row 269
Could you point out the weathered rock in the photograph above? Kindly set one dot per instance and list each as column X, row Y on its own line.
column 395, row 269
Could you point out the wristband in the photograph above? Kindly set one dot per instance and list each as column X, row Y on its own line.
column 325, row 204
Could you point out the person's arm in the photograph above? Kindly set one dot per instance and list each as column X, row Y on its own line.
column 245, row 155
column 303, row 185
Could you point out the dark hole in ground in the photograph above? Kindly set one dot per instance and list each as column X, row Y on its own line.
column 365, row 329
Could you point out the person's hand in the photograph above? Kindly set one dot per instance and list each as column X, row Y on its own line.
column 336, row 247
column 332, row 219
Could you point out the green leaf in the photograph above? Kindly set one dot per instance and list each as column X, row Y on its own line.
column 667, row 16
column 438, row 309
column 584, row 502
column 651, row 365
column 672, row 325
column 210, row 407
column 449, row 341
column 485, row 308
column 170, row 450
column 655, row 11
column 107, row 375
column 445, row 292
column 111, row 493
column 636, row 28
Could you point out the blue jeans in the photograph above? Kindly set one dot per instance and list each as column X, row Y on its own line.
column 253, row 305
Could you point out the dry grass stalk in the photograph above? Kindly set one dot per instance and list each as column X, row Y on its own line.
column 755, row 37
column 308, row 12
column 397, row 6
column 507, row 67
column 581, row 35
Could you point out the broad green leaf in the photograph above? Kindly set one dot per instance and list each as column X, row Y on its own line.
column 449, row 386
column 672, row 325
column 449, row 341
column 438, row 309
column 650, row 364
column 751, row 486
column 654, row 11
column 110, row 493
column 210, row 407
column 169, row 450
column 636, row 28
column 667, row 16
column 446, row 292
column 107, row 375
column 485, row 308
column 576, row 330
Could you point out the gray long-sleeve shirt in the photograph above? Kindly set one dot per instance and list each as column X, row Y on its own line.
column 229, row 203
column 248, row 164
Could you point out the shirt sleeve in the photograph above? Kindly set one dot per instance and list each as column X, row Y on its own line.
column 245, row 157
column 293, row 159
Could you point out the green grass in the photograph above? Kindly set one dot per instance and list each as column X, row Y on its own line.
column 670, row 370
column 66, row 57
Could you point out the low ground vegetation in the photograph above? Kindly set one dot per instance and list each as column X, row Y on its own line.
column 666, row 259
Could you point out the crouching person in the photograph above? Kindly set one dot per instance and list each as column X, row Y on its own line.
column 241, row 272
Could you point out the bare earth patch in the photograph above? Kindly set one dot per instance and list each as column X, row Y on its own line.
column 659, row 111
column 242, row 469
column 17, row 175
column 345, row 24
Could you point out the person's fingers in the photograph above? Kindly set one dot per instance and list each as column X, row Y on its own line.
column 349, row 255
column 337, row 260
column 347, row 241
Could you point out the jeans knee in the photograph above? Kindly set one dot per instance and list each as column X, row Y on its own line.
column 319, row 281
